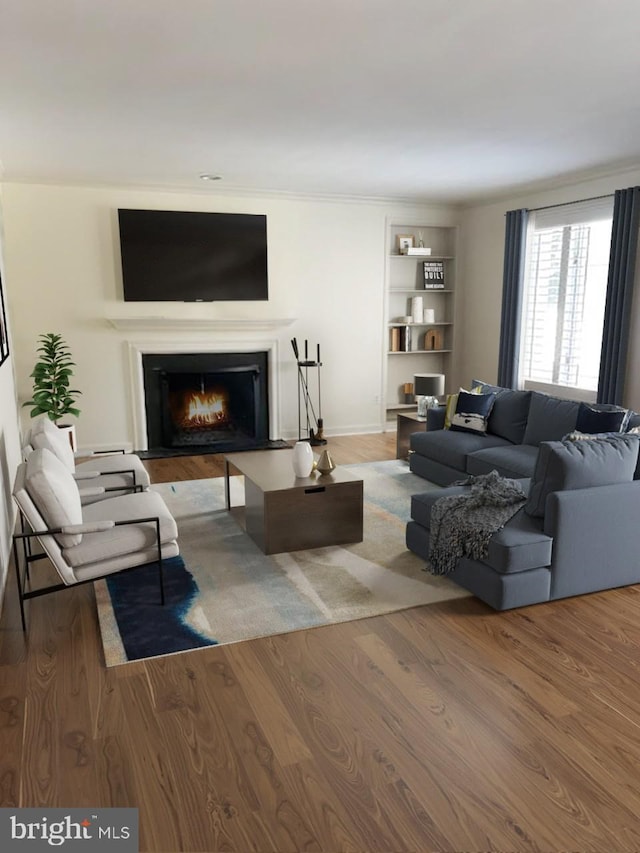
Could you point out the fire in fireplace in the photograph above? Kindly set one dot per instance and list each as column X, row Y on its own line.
column 202, row 409
column 214, row 401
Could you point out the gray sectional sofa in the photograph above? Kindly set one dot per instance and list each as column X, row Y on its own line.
column 519, row 422
column 576, row 532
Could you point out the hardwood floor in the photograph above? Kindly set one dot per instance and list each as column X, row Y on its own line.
column 445, row 728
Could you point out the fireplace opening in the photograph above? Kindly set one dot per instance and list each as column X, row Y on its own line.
column 206, row 402
column 203, row 408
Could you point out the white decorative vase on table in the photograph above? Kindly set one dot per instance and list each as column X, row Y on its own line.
column 302, row 459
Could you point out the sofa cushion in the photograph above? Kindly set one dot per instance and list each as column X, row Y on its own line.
column 422, row 504
column 451, row 448
column 518, row 546
column 594, row 436
column 601, row 418
column 435, row 417
column 564, row 465
column 508, row 418
column 472, row 412
column 514, row 460
column 549, row 418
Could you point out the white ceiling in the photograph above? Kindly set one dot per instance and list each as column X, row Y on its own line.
column 445, row 100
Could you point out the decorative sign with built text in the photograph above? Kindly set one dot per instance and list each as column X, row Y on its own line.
column 433, row 274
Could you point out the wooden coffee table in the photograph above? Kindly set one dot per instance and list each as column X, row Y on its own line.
column 288, row 513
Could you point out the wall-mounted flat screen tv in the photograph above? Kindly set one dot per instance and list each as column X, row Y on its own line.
column 179, row 256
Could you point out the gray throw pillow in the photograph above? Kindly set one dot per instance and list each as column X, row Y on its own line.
column 634, row 420
column 550, row 418
column 565, row 465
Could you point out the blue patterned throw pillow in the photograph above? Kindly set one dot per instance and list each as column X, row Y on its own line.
column 601, row 418
column 472, row 412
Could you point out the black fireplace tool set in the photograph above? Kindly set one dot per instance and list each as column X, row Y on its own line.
column 312, row 423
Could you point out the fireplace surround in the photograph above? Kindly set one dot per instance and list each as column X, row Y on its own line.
column 206, row 400
column 191, row 398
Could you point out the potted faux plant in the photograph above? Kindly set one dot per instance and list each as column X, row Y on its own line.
column 52, row 395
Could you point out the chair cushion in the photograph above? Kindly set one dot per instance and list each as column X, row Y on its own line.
column 564, row 465
column 35, row 521
column 550, row 418
column 54, row 492
column 44, row 433
column 508, row 418
column 128, row 539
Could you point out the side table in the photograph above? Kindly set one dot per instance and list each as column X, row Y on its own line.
column 407, row 423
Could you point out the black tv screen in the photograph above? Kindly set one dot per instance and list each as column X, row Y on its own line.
column 178, row 256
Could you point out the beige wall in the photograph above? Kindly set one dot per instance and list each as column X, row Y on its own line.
column 326, row 273
column 482, row 253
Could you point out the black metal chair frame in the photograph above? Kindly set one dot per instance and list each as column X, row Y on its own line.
column 24, row 579
column 135, row 486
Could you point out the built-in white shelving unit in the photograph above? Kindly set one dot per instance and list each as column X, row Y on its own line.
column 405, row 280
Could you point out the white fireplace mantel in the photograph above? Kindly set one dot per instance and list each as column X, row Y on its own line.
column 198, row 324
column 137, row 349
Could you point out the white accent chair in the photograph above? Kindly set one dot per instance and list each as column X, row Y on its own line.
column 102, row 476
column 85, row 543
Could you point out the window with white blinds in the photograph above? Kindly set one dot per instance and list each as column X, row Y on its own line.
column 566, row 267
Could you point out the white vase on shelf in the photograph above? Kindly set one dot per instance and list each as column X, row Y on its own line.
column 302, row 459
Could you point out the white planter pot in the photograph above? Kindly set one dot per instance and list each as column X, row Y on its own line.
column 70, row 431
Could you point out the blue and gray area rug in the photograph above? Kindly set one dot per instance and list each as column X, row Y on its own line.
column 223, row 589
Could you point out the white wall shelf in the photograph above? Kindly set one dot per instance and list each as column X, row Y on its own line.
column 417, row 352
column 435, row 323
column 427, row 290
column 415, row 258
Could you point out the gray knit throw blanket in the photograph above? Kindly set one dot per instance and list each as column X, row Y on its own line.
column 462, row 525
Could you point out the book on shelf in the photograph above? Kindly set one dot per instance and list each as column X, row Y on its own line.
column 419, row 251
column 394, row 344
column 433, row 274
